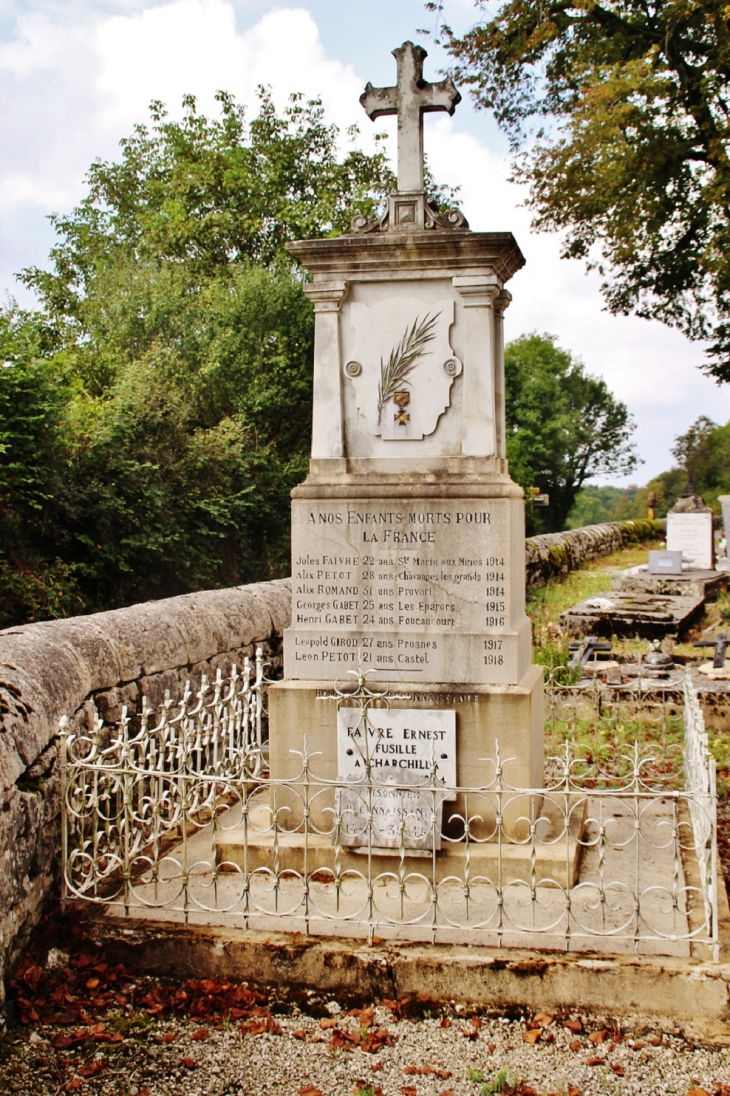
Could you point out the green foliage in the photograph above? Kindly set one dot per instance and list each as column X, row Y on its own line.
column 499, row 1082
column 563, row 427
column 617, row 112
column 155, row 412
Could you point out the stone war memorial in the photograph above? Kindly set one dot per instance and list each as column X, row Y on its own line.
column 408, row 533
column 393, row 783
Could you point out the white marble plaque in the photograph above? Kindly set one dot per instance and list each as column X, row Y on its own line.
column 691, row 534
column 387, row 815
column 397, row 740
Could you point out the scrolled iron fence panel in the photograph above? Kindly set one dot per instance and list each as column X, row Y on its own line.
column 176, row 812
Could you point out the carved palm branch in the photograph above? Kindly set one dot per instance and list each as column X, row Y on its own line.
column 404, row 358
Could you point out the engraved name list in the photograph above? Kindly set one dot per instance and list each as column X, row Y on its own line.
column 412, row 589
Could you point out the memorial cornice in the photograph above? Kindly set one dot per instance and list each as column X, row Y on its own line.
column 429, row 253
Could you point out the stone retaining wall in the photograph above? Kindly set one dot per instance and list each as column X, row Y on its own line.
column 553, row 555
column 107, row 660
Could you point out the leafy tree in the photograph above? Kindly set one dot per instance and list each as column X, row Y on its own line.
column 563, row 426
column 594, row 504
column 156, row 410
column 703, row 453
column 618, row 112
column 692, row 450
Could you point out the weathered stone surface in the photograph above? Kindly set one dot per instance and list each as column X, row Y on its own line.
column 103, row 661
column 618, row 613
column 555, row 554
column 701, row 584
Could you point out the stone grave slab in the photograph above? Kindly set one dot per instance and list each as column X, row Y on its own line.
column 689, row 531
column 620, row 613
column 691, row 583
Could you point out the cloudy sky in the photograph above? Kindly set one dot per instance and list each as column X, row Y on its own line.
column 75, row 76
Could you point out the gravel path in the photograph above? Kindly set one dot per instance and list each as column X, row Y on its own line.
column 371, row 1051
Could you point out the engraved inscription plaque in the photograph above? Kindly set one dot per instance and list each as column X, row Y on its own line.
column 420, row 593
column 398, row 757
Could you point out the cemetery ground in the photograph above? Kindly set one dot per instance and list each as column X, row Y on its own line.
column 550, row 648
column 80, row 1022
column 86, row 1025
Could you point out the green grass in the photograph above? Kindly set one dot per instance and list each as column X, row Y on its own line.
column 545, row 605
column 500, row 1080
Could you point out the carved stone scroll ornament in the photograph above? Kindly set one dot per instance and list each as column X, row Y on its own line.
column 432, row 218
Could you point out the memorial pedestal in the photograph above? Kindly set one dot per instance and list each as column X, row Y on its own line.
column 408, row 540
column 490, row 719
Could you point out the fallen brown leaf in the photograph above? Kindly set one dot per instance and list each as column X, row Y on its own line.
column 409, row 1090
column 73, row 1085
column 617, row 1069
column 189, row 1063
column 200, row 1035
column 169, row 1037
column 375, row 1039
column 698, row 1092
column 91, row 1070
column 445, row 1022
column 327, row 1022
column 575, row 1045
column 595, row 1061
column 376, row 1067
column 575, row 1026
column 597, row 1037
column 543, row 1018
column 573, row 1091
column 470, row 1033
column 62, row 1042
column 533, row 1036
column 299, row 1035
column 310, row 1090
column 476, row 1022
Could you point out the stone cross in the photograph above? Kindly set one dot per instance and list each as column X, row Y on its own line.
column 410, row 99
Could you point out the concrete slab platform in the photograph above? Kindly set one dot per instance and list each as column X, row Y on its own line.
column 687, row 992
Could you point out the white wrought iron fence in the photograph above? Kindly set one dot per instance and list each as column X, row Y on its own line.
column 175, row 814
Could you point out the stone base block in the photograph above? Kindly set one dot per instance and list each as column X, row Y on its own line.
column 698, row 584
column 491, row 721
column 553, row 862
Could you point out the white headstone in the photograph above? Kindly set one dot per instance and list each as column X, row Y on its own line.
column 691, row 534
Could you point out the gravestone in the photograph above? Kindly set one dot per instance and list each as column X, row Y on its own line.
column 408, row 554
column 689, row 531
column 724, row 501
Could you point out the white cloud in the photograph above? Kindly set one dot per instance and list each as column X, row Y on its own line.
column 193, row 46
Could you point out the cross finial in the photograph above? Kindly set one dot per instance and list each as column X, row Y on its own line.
column 410, row 99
